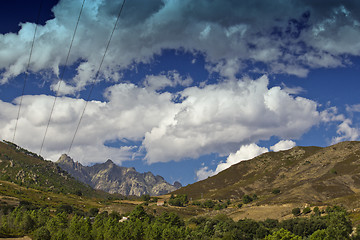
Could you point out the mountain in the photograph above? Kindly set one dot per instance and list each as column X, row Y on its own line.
column 115, row 179
column 27, row 169
column 301, row 174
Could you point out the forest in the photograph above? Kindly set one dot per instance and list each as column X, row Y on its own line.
column 68, row 223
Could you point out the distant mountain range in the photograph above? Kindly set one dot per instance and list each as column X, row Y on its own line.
column 115, row 179
column 301, row 174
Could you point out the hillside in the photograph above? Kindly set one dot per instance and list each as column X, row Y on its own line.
column 298, row 175
column 116, row 179
column 26, row 169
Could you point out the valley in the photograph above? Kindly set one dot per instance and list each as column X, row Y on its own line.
column 270, row 186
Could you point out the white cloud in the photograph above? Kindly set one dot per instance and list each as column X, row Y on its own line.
column 204, row 173
column 290, row 36
column 129, row 112
column 346, row 132
column 219, row 118
column 283, row 145
column 353, row 108
column 213, row 119
column 171, row 79
column 292, row 90
column 245, row 152
column 331, row 115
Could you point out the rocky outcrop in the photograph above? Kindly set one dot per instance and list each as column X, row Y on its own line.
column 116, row 179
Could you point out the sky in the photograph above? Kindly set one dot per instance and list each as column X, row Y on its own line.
column 186, row 88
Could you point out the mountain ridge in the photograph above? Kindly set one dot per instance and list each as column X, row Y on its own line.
column 112, row 178
column 301, row 174
column 28, row 169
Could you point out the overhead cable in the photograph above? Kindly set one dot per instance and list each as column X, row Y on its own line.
column 61, row 78
column 27, row 70
column 96, row 76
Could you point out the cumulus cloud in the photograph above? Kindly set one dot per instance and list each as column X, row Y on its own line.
column 129, row 112
column 219, row 118
column 289, row 37
column 283, row 145
column 171, row 79
column 204, row 173
column 245, row 152
column 213, row 119
column 346, row 132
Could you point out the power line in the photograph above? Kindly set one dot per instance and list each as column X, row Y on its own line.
column 61, row 77
column 27, row 70
column 96, row 76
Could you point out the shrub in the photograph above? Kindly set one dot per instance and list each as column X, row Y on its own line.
column 93, row 212
column 316, row 211
column 306, row 210
column 179, row 200
column 145, row 197
column 276, row 191
column 65, row 208
column 296, row 211
column 247, row 199
column 208, row 204
column 42, row 234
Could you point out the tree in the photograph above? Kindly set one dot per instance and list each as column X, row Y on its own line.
column 65, row 208
column 306, row 210
column 140, row 214
column 208, row 204
column 180, row 200
column 27, row 223
column 318, row 235
column 93, row 212
column 79, row 228
column 41, row 233
column 339, row 225
column 247, row 199
column 296, row 211
column 316, row 211
column 145, row 197
column 282, row 234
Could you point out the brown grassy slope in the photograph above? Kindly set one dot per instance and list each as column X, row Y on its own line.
column 302, row 174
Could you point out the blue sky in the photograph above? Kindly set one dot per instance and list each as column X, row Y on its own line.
column 187, row 88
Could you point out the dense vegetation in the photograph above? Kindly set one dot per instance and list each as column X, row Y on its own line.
column 67, row 223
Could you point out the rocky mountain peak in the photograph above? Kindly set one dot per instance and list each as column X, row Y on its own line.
column 109, row 162
column 65, row 159
column 177, row 184
column 112, row 178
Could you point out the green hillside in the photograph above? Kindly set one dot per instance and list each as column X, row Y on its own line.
column 26, row 169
